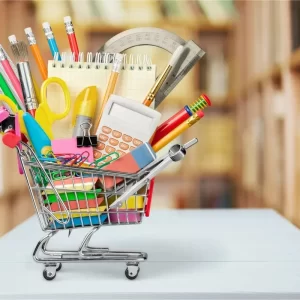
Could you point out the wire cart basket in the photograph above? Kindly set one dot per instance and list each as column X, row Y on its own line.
column 68, row 198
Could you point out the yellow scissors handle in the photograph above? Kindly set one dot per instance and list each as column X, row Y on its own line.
column 15, row 109
column 67, row 98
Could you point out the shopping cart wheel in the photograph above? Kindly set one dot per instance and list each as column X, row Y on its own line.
column 58, row 267
column 49, row 273
column 132, row 272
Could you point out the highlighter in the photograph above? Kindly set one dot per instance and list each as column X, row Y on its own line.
column 181, row 116
column 178, row 130
column 37, row 136
column 84, row 110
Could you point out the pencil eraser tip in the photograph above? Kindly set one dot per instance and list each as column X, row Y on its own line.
column 12, row 38
column 200, row 114
column 28, row 30
column 46, row 25
column 206, row 99
column 67, row 19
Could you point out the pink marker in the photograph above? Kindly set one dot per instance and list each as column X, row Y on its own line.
column 10, row 73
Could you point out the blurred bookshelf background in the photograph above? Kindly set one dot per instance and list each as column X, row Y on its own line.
column 249, row 138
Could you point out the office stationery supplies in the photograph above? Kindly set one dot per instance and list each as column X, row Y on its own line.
column 86, row 139
column 111, row 84
column 14, row 109
column 20, row 53
column 163, row 39
column 174, row 121
column 150, row 196
column 13, row 40
column 73, row 196
column 84, row 110
column 71, row 36
column 136, row 78
column 178, row 130
column 157, row 85
column 176, row 153
column 10, row 73
column 70, row 146
column 80, row 204
column 4, row 114
column 18, row 133
column 8, row 92
column 44, row 114
column 125, row 124
column 73, row 183
column 130, row 163
column 51, row 40
column 36, row 52
column 38, row 138
column 105, row 160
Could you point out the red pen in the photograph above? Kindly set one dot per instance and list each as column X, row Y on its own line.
column 71, row 36
column 181, row 116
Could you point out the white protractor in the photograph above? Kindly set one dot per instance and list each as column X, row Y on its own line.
column 165, row 40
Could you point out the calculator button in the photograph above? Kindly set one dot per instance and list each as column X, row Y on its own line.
column 121, row 153
column 106, row 129
column 126, row 138
column 109, row 149
column 97, row 154
column 123, row 146
column 113, row 142
column 116, row 133
column 108, row 158
column 100, row 146
column 131, row 148
column 103, row 137
column 137, row 142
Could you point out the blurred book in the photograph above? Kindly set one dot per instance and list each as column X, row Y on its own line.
column 82, row 12
column 110, row 11
column 52, row 13
column 139, row 12
column 182, row 9
column 216, row 192
column 218, row 11
column 295, row 23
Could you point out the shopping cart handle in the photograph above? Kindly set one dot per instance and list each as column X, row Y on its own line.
column 176, row 153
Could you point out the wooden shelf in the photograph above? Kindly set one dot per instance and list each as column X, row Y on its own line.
column 195, row 25
column 295, row 60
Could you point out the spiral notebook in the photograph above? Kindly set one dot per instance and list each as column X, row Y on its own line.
column 136, row 78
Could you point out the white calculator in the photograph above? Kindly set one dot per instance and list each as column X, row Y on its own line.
column 125, row 124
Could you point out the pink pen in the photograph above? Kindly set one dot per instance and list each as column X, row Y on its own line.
column 10, row 73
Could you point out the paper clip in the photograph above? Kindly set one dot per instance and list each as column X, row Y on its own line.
column 104, row 160
column 87, row 139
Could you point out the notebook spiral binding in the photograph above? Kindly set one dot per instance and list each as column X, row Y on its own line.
column 102, row 61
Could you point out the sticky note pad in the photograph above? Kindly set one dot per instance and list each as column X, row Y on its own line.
column 70, row 146
column 131, row 162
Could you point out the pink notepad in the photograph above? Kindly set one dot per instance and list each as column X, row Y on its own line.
column 70, row 146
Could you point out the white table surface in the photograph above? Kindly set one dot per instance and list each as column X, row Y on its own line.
column 193, row 254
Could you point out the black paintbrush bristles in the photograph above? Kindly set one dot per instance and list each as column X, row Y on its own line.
column 19, row 51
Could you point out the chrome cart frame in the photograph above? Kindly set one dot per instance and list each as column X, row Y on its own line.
column 67, row 198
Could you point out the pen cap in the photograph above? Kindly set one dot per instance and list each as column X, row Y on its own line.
column 85, row 103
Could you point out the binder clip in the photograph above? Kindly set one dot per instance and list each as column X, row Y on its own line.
column 87, row 140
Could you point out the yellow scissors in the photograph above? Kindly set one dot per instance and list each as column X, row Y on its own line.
column 15, row 110
column 44, row 115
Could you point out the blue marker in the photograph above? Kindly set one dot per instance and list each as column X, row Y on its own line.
column 51, row 40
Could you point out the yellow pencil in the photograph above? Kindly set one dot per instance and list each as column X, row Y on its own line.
column 110, row 86
column 178, row 130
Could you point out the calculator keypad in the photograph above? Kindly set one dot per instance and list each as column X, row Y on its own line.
column 111, row 140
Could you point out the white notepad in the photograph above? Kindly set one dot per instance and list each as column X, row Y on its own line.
column 136, row 78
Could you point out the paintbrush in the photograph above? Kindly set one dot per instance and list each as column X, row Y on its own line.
column 20, row 52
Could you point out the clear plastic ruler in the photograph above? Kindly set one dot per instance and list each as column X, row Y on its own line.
column 165, row 40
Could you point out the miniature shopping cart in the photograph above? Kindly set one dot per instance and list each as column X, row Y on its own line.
column 68, row 198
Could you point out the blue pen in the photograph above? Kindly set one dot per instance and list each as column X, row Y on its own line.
column 51, row 40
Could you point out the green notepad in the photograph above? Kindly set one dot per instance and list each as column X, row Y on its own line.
column 73, row 196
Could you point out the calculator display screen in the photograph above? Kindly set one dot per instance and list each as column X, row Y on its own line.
column 129, row 116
